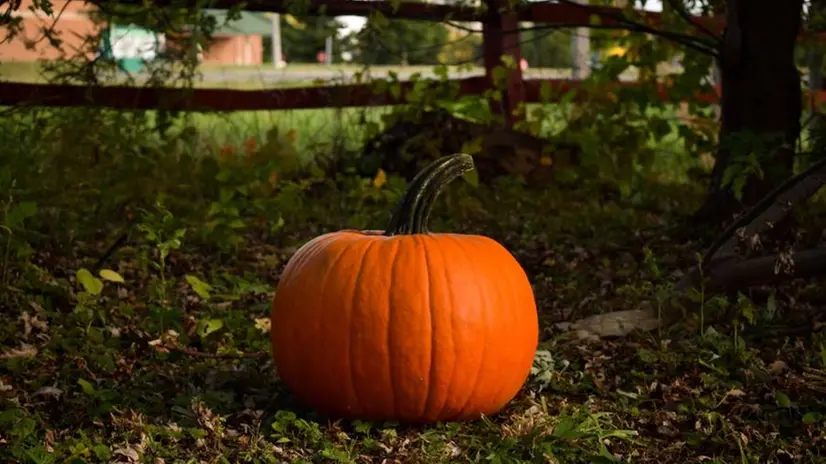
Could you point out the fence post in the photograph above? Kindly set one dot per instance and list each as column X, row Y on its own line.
column 500, row 37
column 581, row 49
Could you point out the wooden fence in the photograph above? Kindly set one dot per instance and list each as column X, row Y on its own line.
column 500, row 38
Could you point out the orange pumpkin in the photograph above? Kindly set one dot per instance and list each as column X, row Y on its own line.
column 404, row 324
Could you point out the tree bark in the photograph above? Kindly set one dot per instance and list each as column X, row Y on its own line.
column 761, row 98
column 814, row 62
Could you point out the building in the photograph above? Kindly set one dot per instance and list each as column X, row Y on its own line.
column 237, row 43
column 30, row 44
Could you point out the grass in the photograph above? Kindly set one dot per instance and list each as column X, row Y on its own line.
column 316, row 129
column 20, row 71
column 256, row 77
column 171, row 364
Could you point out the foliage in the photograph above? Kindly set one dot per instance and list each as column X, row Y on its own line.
column 461, row 47
column 93, row 368
column 546, row 48
column 386, row 42
column 140, row 252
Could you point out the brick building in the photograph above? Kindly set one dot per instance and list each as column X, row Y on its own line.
column 238, row 43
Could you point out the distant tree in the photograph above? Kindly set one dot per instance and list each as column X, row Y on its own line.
column 302, row 37
column 389, row 42
column 546, row 48
column 462, row 47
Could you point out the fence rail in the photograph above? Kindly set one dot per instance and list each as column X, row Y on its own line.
column 335, row 96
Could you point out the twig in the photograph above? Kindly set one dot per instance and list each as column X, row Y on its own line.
column 201, row 354
column 113, row 248
column 686, row 40
column 679, row 7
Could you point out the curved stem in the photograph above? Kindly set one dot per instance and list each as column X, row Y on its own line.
column 413, row 210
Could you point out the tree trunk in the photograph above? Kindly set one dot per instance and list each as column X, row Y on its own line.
column 814, row 62
column 761, row 100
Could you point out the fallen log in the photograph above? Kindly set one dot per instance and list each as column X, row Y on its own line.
column 722, row 270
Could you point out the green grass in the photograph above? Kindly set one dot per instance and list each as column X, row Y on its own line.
column 20, row 71
column 249, row 77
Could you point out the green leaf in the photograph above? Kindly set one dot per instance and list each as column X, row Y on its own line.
column 200, row 287
column 500, row 77
column 206, row 327
column 39, row 455
column 17, row 215
column 87, row 387
column 27, row 208
column 361, row 426
column 25, row 427
column 378, row 19
column 236, row 224
column 812, row 417
column 90, row 283
column 746, row 308
column 396, row 90
column 441, row 72
column 545, row 92
column 102, row 452
column 278, row 224
column 782, row 400
column 567, row 429
column 111, row 276
column 471, row 177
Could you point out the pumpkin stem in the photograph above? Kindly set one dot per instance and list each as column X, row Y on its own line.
column 413, row 210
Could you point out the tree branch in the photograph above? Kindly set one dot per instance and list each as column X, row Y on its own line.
column 709, row 48
column 679, row 7
column 682, row 39
column 739, row 274
column 769, row 210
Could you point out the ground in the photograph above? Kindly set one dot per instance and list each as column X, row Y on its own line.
column 139, row 265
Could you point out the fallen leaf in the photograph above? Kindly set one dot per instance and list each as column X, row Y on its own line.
column 129, row 453
column 380, row 179
column 778, row 367
column 25, row 351
column 49, row 391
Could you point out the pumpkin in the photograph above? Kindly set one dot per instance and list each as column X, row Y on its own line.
column 403, row 324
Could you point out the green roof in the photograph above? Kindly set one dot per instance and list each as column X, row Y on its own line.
column 250, row 23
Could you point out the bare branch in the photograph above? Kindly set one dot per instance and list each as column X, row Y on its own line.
column 739, row 274
column 623, row 22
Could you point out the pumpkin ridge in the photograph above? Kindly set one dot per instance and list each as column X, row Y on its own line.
column 484, row 343
column 356, row 290
column 390, row 374
column 324, row 291
column 518, row 318
column 308, row 251
column 512, row 300
column 456, row 361
column 433, row 338
column 449, row 331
